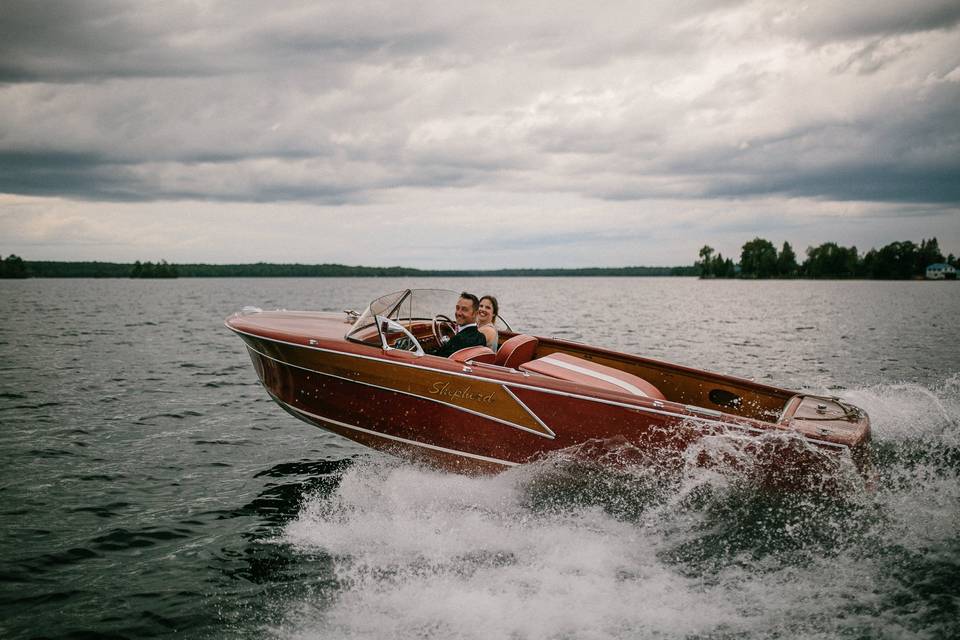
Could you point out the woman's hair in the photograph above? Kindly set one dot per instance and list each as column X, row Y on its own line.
column 494, row 304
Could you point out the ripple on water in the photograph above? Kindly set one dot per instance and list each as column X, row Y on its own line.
column 34, row 567
column 123, row 539
column 109, row 510
column 50, row 453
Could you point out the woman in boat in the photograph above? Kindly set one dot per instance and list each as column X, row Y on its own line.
column 486, row 321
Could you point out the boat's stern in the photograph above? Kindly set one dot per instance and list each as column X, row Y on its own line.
column 830, row 421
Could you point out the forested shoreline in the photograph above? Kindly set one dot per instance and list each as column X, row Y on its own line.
column 19, row 268
column 760, row 259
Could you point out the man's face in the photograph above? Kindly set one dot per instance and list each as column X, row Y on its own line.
column 465, row 312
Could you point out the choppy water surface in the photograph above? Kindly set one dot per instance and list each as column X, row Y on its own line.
column 150, row 488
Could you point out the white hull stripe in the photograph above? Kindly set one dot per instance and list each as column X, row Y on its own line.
column 423, row 445
column 626, row 386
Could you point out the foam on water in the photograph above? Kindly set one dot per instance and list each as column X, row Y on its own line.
column 917, row 435
column 429, row 554
column 563, row 549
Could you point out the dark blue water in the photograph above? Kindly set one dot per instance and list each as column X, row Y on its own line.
column 149, row 487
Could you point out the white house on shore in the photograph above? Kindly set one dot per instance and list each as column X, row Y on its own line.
column 941, row 271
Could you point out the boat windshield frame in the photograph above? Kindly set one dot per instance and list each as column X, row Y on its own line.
column 405, row 307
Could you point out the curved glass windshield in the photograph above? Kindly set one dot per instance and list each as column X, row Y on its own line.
column 408, row 308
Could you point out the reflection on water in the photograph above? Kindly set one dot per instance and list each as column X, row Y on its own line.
column 151, row 488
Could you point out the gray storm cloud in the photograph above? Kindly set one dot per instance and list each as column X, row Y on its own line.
column 325, row 104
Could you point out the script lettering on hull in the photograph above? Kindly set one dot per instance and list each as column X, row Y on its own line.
column 446, row 390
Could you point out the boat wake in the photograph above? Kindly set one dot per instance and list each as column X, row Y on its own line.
column 698, row 545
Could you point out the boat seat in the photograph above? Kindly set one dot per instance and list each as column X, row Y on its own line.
column 477, row 354
column 517, row 350
column 585, row 372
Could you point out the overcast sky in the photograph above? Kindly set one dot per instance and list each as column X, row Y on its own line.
column 474, row 135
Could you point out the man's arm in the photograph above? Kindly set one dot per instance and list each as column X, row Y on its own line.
column 462, row 340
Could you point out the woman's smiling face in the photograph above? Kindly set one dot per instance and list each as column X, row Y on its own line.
column 486, row 311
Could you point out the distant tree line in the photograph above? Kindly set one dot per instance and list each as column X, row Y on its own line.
column 51, row 269
column 54, row 269
column 759, row 258
column 263, row 269
column 13, row 267
column 149, row 270
column 163, row 269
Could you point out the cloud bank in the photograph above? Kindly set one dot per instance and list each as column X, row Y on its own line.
column 520, row 134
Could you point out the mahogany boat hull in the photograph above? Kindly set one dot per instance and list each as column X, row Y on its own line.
column 475, row 417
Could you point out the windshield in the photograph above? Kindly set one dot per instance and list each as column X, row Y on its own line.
column 407, row 307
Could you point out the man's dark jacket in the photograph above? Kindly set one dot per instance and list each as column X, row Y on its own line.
column 468, row 336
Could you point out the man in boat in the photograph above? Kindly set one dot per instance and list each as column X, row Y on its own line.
column 467, row 334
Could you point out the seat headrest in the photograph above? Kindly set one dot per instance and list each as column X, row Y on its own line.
column 516, row 351
column 477, row 354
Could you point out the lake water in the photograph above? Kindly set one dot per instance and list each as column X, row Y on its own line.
column 150, row 488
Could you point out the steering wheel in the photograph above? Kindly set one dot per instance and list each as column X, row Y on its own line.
column 406, row 342
column 442, row 326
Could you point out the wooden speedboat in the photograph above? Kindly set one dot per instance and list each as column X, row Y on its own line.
column 368, row 377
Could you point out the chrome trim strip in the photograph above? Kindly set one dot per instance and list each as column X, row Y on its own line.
column 479, row 414
column 709, row 412
column 549, row 434
column 462, row 454
column 681, row 416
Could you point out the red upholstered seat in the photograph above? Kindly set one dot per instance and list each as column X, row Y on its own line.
column 573, row 369
column 517, row 350
column 477, row 354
